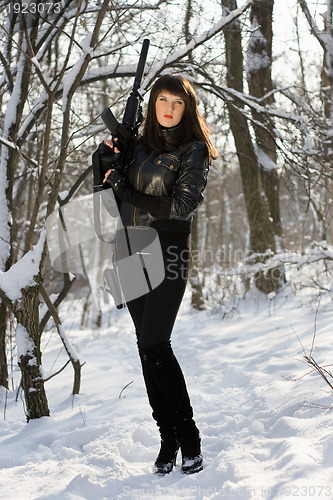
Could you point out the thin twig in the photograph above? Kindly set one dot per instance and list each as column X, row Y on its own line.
column 309, row 359
column 315, row 327
column 57, row 373
column 124, row 389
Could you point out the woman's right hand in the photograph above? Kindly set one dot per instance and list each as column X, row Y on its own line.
column 109, row 143
column 110, row 157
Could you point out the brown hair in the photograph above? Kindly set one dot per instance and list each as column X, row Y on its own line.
column 194, row 125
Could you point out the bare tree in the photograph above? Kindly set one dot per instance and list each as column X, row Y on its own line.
column 261, row 231
column 259, row 76
column 323, row 151
column 25, row 304
column 50, row 62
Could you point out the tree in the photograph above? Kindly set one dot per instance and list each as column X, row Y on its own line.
column 24, row 304
column 323, row 150
column 51, row 60
column 262, row 241
column 259, row 76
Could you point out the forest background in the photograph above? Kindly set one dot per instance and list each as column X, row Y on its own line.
column 263, row 73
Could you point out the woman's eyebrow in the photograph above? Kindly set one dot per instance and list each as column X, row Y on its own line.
column 175, row 97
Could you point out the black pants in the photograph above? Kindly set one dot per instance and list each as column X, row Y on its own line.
column 154, row 313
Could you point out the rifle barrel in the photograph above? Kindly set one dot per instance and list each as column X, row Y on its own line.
column 141, row 64
column 132, row 106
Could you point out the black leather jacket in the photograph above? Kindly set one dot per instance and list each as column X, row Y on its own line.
column 162, row 188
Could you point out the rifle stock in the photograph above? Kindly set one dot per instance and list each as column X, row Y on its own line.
column 116, row 129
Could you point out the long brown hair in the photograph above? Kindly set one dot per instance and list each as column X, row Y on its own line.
column 194, row 126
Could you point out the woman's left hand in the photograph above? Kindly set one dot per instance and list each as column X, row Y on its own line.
column 107, row 175
column 113, row 177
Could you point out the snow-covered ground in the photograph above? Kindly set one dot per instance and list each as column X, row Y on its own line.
column 263, row 435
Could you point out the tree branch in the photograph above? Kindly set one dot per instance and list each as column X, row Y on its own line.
column 69, row 349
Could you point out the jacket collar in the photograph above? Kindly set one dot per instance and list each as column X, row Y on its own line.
column 171, row 134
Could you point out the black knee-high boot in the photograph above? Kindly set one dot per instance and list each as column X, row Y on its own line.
column 167, row 455
column 163, row 367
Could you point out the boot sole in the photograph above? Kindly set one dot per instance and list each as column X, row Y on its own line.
column 192, row 471
column 162, row 471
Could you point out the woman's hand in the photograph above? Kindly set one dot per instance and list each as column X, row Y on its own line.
column 113, row 177
column 107, row 174
column 109, row 143
column 114, row 153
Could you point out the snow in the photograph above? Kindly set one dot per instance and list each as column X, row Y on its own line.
column 7, row 143
column 69, row 79
column 14, row 101
column 256, row 61
column 308, row 146
column 264, row 160
column 264, row 435
column 34, row 60
column 22, row 273
column 24, row 344
column 85, row 44
column 68, row 345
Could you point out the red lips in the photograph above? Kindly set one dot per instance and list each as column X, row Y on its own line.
column 168, row 116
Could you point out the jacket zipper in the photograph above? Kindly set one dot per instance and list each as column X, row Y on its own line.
column 137, row 183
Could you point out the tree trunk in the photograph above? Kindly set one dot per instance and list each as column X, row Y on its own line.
column 29, row 355
column 327, row 93
column 259, row 64
column 197, row 300
column 3, row 357
column 261, row 231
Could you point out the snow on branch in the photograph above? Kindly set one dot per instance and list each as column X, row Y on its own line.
column 320, row 251
column 230, row 95
column 9, row 144
column 22, row 273
column 69, row 80
column 158, row 66
column 116, row 70
column 125, row 70
column 324, row 38
column 69, row 348
column 257, row 60
column 264, row 159
column 52, row 27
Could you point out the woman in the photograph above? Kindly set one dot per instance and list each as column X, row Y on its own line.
column 162, row 187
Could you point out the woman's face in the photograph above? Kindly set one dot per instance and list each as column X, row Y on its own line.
column 169, row 109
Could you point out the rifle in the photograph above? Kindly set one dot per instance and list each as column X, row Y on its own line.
column 127, row 131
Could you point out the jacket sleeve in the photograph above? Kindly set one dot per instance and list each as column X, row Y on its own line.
column 158, row 206
column 191, row 182
column 187, row 192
